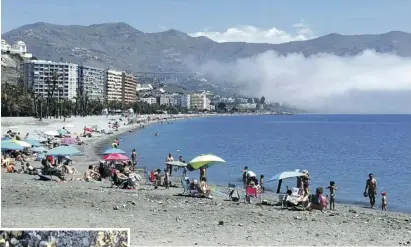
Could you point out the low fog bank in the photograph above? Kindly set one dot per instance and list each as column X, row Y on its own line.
column 366, row 83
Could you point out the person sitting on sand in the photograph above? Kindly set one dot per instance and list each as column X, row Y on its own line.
column 157, row 176
column 204, row 189
column 30, row 169
column 318, row 201
column 11, row 169
column 371, row 186
column 79, row 141
column 91, row 175
column 70, row 169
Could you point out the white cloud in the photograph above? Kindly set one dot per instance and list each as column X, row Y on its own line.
column 367, row 83
column 252, row 34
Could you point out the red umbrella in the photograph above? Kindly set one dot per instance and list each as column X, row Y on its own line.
column 115, row 157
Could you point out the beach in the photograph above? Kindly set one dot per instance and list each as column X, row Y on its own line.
column 158, row 217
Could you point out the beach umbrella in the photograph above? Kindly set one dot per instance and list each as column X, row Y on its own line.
column 21, row 143
column 62, row 131
column 284, row 175
column 6, row 145
column 38, row 149
column 176, row 163
column 114, row 151
column 51, row 133
column 63, row 151
column 32, row 142
column 115, row 157
column 204, row 160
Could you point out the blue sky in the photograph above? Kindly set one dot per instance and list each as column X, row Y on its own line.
column 323, row 16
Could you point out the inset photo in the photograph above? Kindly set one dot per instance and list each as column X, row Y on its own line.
column 65, row 237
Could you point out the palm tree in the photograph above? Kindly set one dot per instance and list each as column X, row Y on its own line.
column 50, row 93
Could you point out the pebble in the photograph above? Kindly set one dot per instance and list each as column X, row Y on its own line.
column 221, row 223
column 86, row 241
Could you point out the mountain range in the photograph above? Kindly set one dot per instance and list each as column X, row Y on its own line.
column 120, row 46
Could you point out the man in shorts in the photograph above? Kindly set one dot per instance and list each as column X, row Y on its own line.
column 371, row 189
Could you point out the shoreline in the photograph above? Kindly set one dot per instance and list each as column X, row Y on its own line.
column 159, row 217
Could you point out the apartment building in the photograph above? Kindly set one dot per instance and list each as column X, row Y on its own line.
column 38, row 75
column 199, row 101
column 93, row 82
column 149, row 100
column 182, row 100
column 128, row 88
column 114, row 81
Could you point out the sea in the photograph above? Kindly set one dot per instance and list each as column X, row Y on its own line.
column 340, row 148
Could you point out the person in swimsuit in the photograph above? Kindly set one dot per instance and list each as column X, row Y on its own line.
column 371, row 189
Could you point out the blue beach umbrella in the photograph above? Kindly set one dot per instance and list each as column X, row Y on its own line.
column 38, row 149
column 10, row 146
column 114, row 151
column 63, row 151
column 33, row 142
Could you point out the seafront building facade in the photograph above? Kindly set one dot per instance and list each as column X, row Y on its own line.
column 38, row 75
column 199, row 101
column 128, row 88
column 114, row 85
column 93, row 82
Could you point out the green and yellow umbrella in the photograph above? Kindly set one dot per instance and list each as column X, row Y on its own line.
column 204, row 160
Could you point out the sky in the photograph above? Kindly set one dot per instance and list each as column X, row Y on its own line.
column 367, row 83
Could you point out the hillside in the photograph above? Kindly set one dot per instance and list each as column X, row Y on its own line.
column 10, row 68
column 119, row 45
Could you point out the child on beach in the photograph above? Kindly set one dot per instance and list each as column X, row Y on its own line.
column 384, row 201
column 332, row 189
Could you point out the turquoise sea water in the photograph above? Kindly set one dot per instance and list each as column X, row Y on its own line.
column 342, row 148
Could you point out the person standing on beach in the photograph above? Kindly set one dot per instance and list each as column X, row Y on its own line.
column 332, row 189
column 371, row 189
column 170, row 167
column 133, row 158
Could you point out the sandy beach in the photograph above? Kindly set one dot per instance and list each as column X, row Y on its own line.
column 158, row 217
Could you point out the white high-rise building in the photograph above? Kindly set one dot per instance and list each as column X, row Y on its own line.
column 93, row 82
column 199, row 101
column 38, row 75
column 114, row 85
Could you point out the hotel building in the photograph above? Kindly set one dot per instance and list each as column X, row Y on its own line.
column 38, row 75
